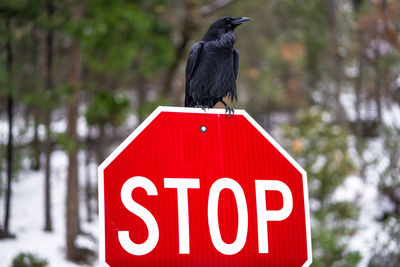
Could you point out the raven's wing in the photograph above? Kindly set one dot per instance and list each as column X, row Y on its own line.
column 233, row 94
column 192, row 62
column 235, row 62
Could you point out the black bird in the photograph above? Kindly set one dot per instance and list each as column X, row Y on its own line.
column 212, row 66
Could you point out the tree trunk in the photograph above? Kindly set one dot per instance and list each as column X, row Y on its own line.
column 10, row 149
column 189, row 28
column 35, row 164
column 73, row 225
column 48, row 143
column 336, row 62
column 101, row 144
column 358, row 84
column 142, row 96
column 88, row 186
column 36, row 146
column 378, row 86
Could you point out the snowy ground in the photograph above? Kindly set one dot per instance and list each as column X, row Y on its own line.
column 365, row 195
column 27, row 218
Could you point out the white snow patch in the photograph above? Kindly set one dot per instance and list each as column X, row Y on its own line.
column 390, row 114
column 27, row 217
column 363, row 191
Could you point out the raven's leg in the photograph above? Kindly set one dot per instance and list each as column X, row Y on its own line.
column 198, row 105
column 228, row 108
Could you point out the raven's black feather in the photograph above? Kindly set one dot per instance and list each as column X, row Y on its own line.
column 212, row 66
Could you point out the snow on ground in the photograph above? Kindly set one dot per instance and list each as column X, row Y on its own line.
column 365, row 194
column 27, row 217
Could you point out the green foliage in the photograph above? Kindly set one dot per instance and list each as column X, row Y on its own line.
column 119, row 35
column 149, row 106
column 22, row 10
column 311, row 26
column 49, row 99
column 65, row 142
column 291, row 57
column 107, row 107
column 321, row 147
column 24, row 259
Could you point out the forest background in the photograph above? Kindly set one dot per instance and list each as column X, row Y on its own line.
column 321, row 76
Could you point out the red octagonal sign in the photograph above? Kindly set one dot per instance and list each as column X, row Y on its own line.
column 189, row 187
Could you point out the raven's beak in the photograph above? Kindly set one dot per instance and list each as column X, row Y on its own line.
column 239, row 20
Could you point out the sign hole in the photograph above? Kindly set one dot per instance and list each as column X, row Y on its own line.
column 203, row 129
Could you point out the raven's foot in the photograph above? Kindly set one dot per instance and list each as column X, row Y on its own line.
column 228, row 109
column 202, row 107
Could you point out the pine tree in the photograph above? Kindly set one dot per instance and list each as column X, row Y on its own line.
column 322, row 149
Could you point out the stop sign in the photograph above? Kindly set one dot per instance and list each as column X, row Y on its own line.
column 189, row 187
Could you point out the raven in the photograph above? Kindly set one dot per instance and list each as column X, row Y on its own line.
column 212, row 66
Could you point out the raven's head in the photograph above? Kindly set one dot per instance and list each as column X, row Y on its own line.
column 223, row 26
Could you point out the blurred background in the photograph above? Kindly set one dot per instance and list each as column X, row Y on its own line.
column 77, row 77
